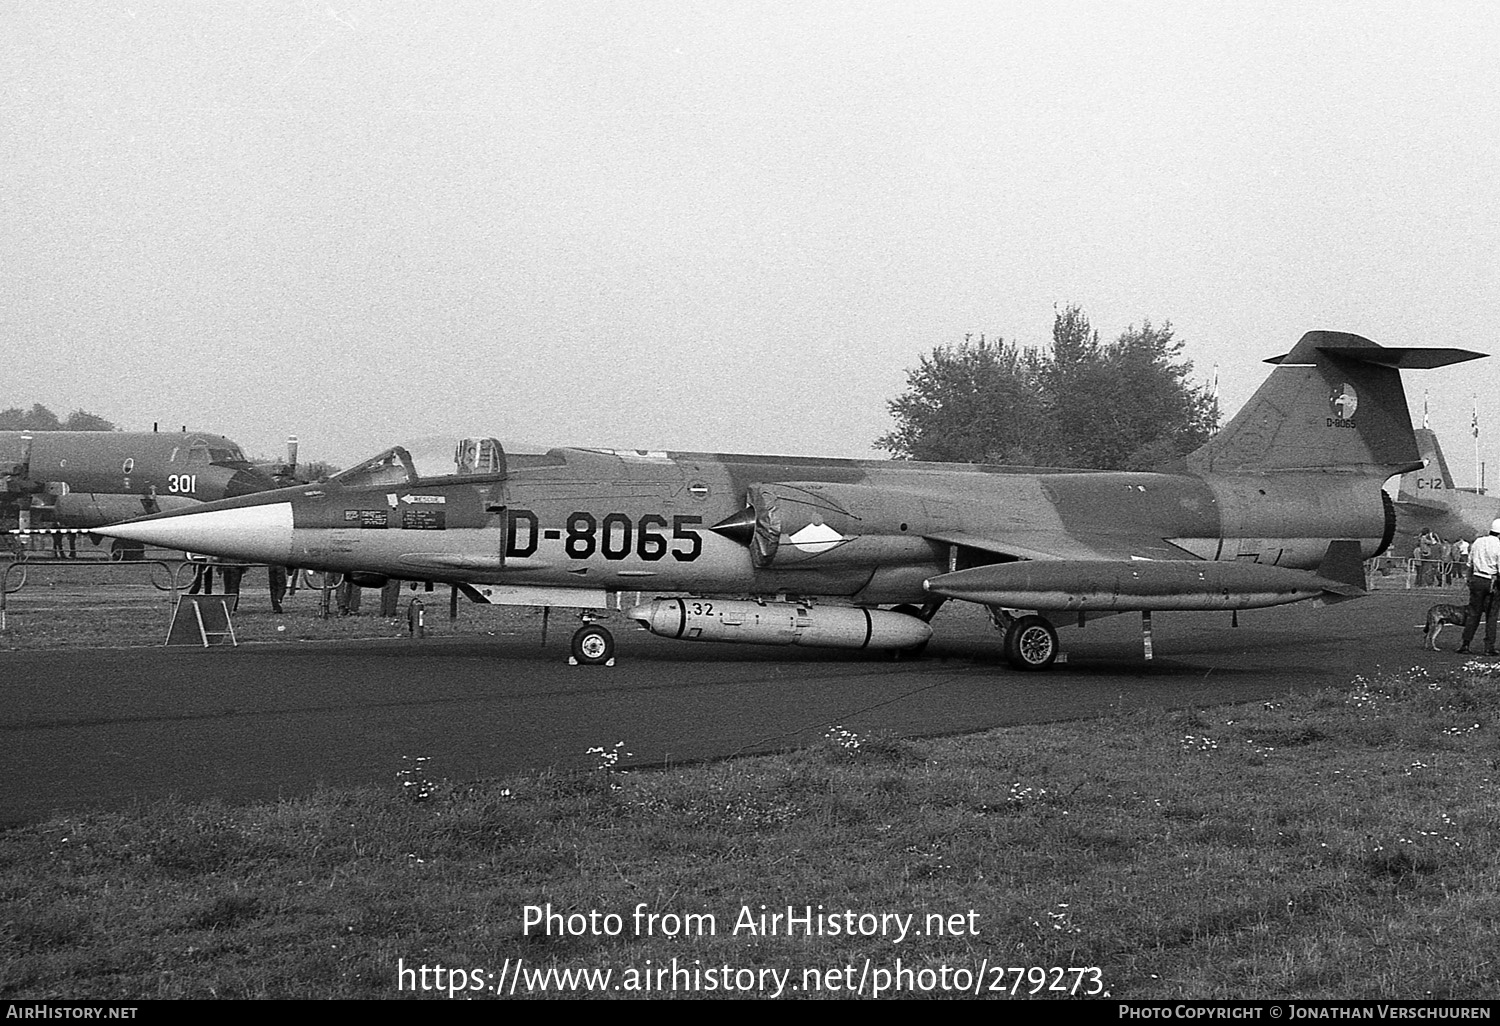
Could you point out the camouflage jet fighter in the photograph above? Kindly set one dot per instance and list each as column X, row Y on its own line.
column 84, row 479
column 1427, row 500
column 1282, row 505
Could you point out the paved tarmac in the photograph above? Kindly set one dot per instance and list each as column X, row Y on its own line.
column 108, row 728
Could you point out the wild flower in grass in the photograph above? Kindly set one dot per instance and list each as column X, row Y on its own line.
column 1060, row 921
column 843, row 739
column 1483, row 669
column 609, row 758
column 413, row 777
column 929, row 860
column 1461, row 731
column 1197, row 743
column 1444, row 833
column 1021, row 794
column 1361, row 696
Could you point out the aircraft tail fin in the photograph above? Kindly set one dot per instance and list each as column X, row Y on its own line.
column 1335, row 402
column 1432, row 477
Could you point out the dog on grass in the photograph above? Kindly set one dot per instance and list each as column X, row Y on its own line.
column 1438, row 617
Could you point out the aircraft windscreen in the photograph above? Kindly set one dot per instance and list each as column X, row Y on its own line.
column 393, row 466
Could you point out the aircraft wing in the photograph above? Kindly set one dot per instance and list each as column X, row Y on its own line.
column 1101, row 582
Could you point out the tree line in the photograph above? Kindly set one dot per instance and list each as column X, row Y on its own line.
column 1121, row 405
column 39, row 418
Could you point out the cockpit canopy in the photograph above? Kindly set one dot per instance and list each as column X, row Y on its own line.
column 217, row 451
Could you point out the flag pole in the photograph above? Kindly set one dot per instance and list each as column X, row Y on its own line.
column 1474, row 427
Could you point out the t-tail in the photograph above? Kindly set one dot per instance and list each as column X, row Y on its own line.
column 1334, row 403
column 1430, row 480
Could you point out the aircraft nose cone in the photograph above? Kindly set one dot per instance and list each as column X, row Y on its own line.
column 247, row 482
column 257, row 533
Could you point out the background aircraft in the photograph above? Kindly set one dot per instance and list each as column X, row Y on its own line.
column 1428, row 501
column 1281, row 505
column 85, row 479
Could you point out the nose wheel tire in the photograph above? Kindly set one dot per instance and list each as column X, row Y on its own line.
column 593, row 645
column 1031, row 643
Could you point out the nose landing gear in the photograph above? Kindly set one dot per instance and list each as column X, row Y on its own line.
column 593, row 645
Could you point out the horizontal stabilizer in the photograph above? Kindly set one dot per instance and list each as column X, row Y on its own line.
column 1397, row 357
column 1334, row 403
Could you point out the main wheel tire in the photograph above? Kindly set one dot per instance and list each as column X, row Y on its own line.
column 593, row 645
column 1031, row 643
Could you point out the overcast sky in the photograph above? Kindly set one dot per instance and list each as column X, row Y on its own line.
column 719, row 225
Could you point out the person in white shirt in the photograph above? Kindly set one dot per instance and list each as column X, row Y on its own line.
column 1460, row 559
column 1484, row 564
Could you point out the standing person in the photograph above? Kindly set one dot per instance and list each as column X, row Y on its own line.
column 203, row 579
column 1484, row 563
column 1426, row 555
column 278, row 586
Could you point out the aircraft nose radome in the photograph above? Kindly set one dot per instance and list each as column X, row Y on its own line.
column 260, row 534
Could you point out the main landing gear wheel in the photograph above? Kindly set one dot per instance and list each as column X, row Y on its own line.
column 593, row 645
column 1031, row 643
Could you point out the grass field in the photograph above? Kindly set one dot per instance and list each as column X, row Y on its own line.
column 1337, row 844
column 96, row 604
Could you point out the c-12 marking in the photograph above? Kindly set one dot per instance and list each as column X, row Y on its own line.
column 614, row 536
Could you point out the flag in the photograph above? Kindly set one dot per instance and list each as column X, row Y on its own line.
column 1475, row 425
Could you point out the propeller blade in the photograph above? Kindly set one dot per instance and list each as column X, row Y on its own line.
column 21, row 471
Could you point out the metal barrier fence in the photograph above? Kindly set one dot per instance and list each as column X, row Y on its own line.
column 1405, row 572
column 164, row 575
